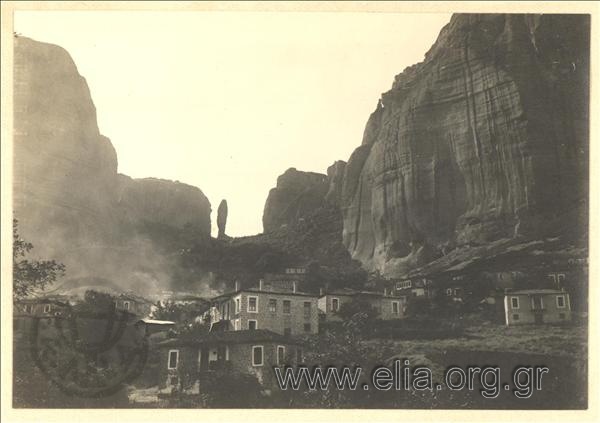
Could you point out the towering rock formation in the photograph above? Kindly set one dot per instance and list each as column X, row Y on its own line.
column 483, row 140
column 222, row 218
column 297, row 194
column 69, row 200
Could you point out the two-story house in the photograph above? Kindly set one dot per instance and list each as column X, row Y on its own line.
column 186, row 359
column 414, row 287
column 536, row 306
column 283, row 311
column 388, row 306
column 133, row 304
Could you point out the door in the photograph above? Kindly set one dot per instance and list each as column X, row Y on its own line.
column 537, row 305
column 203, row 359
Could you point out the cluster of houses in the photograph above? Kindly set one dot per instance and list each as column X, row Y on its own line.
column 252, row 330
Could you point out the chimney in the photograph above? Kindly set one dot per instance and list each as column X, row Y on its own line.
column 385, row 292
column 294, row 286
column 260, row 284
column 237, row 286
column 321, row 292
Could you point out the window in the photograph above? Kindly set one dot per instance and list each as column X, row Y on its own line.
column 280, row 354
column 404, row 284
column 236, row 324
column 29, row 308
column 307, row 327
column 448, row 291
column 335, row 304
column 287, row 331
column 307, row 309
column 173, row 359
column 515, row 317
column 287, row 306
column 273, row 305
column 252, row 325
column 47, row 308
column 126, row 305
column 560, row 301
column 514, row 302
column 395, row 307
column 252, row 304
column 257, row 355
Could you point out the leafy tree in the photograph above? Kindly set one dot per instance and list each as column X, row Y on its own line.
column 358, row 307
column 30, row 276
column 184, row 314
column 99, row 300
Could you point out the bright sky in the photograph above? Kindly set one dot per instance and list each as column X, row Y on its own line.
column 228, row 101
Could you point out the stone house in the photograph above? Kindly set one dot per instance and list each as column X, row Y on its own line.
column 283, row 311
column 184, row 361
column 133, row 304
column 536, row 306
column 388, row 307
column 47, row 306
column 415, row 287
column 151, row 326
column 28, row 309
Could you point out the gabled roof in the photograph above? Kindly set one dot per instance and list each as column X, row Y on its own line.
column 129, row 296
column 228, row 295
column 46, row 299
column 156, row 322
column 536, row 291
column 349, row 292
column 228, row 337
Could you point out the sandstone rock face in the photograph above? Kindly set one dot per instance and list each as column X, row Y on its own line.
column 335, row 177
column 69, row 200
column 487, row 138
column 222, row 218
column 297, row 194
column 159, row 200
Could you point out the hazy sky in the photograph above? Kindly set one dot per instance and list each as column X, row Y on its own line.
column 228, row 101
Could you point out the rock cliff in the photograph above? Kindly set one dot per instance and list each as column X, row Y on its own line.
column 485, row 139
column 296, row 195
column 69, row 200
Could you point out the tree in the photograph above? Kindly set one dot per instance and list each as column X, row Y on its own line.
column 99, row 301
column 358, row 307
column 30, row 276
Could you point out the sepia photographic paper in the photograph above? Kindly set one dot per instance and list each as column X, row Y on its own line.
column 312, row 211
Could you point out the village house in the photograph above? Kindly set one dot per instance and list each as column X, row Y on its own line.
column 388, row 307
column 150, row 326
column 536, row 306
column 415, row 287
column 28, row 309
column 184, row 361
column 46, row 306
column 286, row 277
column 133, row 304
column 273, row 307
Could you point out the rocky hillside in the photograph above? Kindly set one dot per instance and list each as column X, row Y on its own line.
column 68, row 197
column 485, row 140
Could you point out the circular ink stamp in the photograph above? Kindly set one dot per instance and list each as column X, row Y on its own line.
column 88, row 353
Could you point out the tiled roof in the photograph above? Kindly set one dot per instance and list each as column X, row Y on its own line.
column 156, row 322
column 229, row 337
column 258, row 291
column 352, row 292
column 535, row 291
